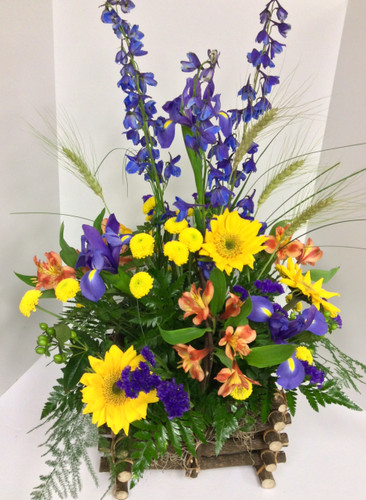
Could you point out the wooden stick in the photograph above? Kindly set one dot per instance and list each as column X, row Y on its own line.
column 277, row 420
column 279, row 402
column 120, row 490
column 125, row 475
column 266, row 478
column 271, row 459
column 273, row 439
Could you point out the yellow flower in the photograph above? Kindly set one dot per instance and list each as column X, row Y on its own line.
column 142, row 245
column 192, row 238
column 174, row 227
column 177, row 252
column 108, row 404
column 292, row 276
column 241, row 392
column 304, row 354
column 149, row 205
column 67, row 289
column 29, row 302
column 232, row 241
column 141, row 284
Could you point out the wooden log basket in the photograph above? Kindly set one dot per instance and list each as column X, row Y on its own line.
column 261, row 449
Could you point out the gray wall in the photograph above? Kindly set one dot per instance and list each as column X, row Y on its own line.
column 29, row 178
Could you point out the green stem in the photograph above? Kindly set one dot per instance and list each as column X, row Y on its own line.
column 49, row 312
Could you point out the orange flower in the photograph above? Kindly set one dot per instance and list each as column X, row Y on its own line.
column 50, row 273
column 191, row 359
column 232, row 307
column 238, row 341
column 285, row 247
column 193, row 303
column 234, row 380
column 309, row 254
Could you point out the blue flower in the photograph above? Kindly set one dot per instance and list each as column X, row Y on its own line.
column 290, row 373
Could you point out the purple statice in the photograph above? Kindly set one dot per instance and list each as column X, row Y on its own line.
column 241, row 291
column 174, row 398
column 316, row 376
column 148, row 355
column 268, row 287
column 338, row 320
column 132, row 382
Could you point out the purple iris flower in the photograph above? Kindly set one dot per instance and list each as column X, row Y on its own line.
column 98, row 255
column 291, row 373
column 262, row 309
column 171, row 168
column 220, row 196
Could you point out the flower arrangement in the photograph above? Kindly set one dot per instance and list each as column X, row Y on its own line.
column 191, row 322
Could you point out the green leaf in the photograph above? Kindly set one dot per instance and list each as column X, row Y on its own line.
column 48, row 294
column 161, row 439
column 291, row 398
column 269, row 355
column 196, row 163
column 183, row 335
column 219, row 282
column 242, row 317
column 225, row 424
column 197, row 423
column 188, row 438
column 223, row 358
column 29, row 280
column 120, row 281
column 174, row 436
column 74, row 370
column 98, row 221
column 68, row 254
column 317, row 274
column 63, row 333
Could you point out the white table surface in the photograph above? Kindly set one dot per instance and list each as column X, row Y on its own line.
column 326, row 457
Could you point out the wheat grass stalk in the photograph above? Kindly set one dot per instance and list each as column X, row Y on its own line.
column 251, row 134
column 308, row 213
column 78, row 166
column 279, row 179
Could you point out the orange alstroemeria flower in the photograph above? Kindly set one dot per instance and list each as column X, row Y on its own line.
column 191, row 359
column 284, row 248
column 50, row 273
column 237, row 342
column 232, row 379
column 193, row 303
column 232, row 307
column 309, row 254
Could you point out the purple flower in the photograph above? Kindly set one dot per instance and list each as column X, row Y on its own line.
column 291, row 373
column 173, row 397
column 192, row 64
column 268, row 286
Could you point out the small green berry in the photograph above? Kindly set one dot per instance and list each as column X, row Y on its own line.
column 43, row 326
column 73, row 334
column 42, row 340
column 40, row 350
column 51, row 331
column 58, row 358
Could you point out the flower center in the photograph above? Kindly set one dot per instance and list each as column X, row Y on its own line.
column 228, row 246
column 112, row 394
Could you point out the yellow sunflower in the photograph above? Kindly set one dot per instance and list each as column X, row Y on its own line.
column 292, row 276
column 108, row 404
column 232, row 241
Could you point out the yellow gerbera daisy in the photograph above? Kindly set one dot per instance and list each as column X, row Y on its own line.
column 140, row 284
column 292, row 276
column 232, row 241
column 192, row 238
column 108, row 404
column 29, row 301
column 142, row 245
column 67, row 289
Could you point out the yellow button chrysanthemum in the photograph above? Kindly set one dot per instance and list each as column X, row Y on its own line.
column 177, row 252
column 29, row 301
column 67, row 289
column 174, row 227
column 142, row 245
column 192, row 238
column 140, row 285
